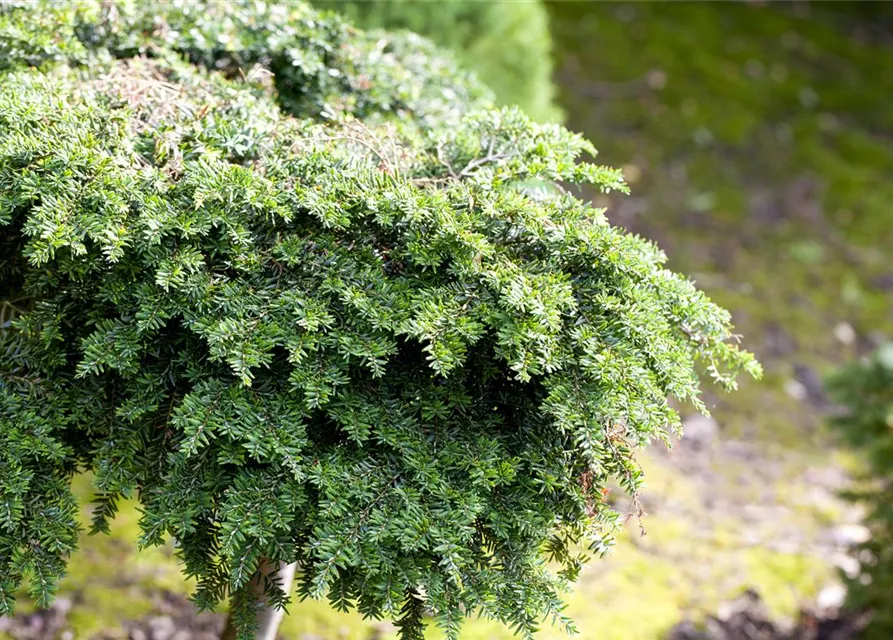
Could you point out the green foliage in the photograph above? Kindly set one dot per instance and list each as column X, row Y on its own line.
column 506, row 43
column 865, row 390
column 374, row 336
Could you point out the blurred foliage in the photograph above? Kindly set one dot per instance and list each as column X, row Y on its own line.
column 507, row 43
column 872, row 20
column 321, row 66
column 864, row 390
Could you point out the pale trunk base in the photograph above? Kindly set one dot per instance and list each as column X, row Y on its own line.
column 268, row 618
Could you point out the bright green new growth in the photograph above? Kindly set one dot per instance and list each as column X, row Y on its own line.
column 506, row 43
column 392, row 349
column 865, row 390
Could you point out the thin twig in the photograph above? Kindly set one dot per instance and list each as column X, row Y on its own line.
column 479, row 162
column 356, row 140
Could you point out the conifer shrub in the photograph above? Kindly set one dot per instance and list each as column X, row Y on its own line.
column 864, row 390
column 507, row 44
column 311, row 309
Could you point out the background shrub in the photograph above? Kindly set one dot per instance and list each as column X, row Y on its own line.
column 506, row 43
column 865, row 390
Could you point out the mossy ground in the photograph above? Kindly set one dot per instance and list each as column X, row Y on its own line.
column 757, row 140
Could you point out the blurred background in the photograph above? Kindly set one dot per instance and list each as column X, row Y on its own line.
column 757, row 139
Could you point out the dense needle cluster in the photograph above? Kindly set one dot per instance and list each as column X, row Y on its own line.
column 308, row 298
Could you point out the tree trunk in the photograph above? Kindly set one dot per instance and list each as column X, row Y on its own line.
column 268, row 618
